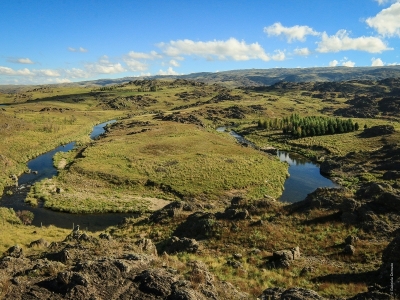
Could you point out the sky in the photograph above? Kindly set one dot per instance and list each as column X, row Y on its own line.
column 55, row 41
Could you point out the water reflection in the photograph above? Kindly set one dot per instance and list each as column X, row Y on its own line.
column 43, row 164
column 304, row 177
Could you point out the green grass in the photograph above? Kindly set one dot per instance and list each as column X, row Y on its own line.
column 169, row 161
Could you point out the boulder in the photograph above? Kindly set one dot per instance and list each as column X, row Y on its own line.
column 349, row 249
column 156, row 281
column 105, row 236
column 290, row 294
column 176, row 244
column 284, row 258
column 147, row 246
column 328, row 166
column 351, row 240
column 39, row 243
column 14, row 251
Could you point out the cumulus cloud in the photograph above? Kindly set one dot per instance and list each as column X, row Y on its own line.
column 279, row 56
column 135, row 65
column 174, row 63
column 76, row 73
column 170, row 71
column 142, row 55
column 377, row 62
column 348, row 63
column 80, row 49
column 61, row 80
column 302, row 51
column 26, row 61
column 291, row 33
column 12, row 72
column 221, row 50
column 333, row 63
column 47, row 72
column 382, row 2
column 387, row 22
column 104, row 66
column 342, row 42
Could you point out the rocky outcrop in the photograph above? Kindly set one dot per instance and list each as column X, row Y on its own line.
column 290, row 294
column 87, row 274
column 175, row 244
column 284, row 258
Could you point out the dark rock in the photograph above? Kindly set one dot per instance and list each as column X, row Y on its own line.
column 156, row 281
column 349, row 218
column 300, row 294
column 234, row 214
column 176, row 244
column 39, row 243
column 390, row 200
column 284, row 258
column 272, row 294
column 328, row 166
column 391, row 261
column 147, row 246
column 234, row 264
column 198, row 225
column 391, row 175
column 377, row 131
column 349, row 249
column 14, row 251
column 351, row 240
column 105, row 236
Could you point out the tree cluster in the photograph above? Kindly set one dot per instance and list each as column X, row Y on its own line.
column 298, row 127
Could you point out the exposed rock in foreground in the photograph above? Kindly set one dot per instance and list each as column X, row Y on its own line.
column 86, row 271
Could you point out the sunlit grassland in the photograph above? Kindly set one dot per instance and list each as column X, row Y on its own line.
column 171, row 161
column 27, row 132
column 320, row 242
column 13, row 232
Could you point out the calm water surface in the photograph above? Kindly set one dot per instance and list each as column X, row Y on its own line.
column 304, row 174
column 44, row 165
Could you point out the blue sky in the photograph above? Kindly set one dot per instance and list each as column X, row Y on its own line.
column 45, row 41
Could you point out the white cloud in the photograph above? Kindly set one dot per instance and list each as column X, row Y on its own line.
column 292, row 33
column 62, row 80
column 349, row 64
column 279, row 56
column 12, row 72
column 26, row 61
column 104, row 66
column 342, row 42
column 47, row 72
column 221, row 50
column 302, row 51
column 135, row 65
column 174, row 63
column 382, row 2
column 76, row 73
column 170, row 71
column 387, row 22
column 142, row 55
column 333, row 63
column 80, row 49
column 377, row 62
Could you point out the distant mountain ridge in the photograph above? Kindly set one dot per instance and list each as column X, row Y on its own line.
column 259, row 77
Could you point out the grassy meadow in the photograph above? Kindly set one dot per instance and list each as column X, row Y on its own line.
column 164, row 147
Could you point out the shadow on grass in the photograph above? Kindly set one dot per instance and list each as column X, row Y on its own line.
column 363, row 277
column 324, row 219
column 70, row 98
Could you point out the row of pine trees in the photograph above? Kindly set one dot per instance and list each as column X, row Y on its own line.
column 297, row 126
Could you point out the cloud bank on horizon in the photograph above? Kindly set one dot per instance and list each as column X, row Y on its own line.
column 61, row 43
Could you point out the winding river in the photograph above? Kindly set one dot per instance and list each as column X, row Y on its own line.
column 43, row 217
column 304, row 177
